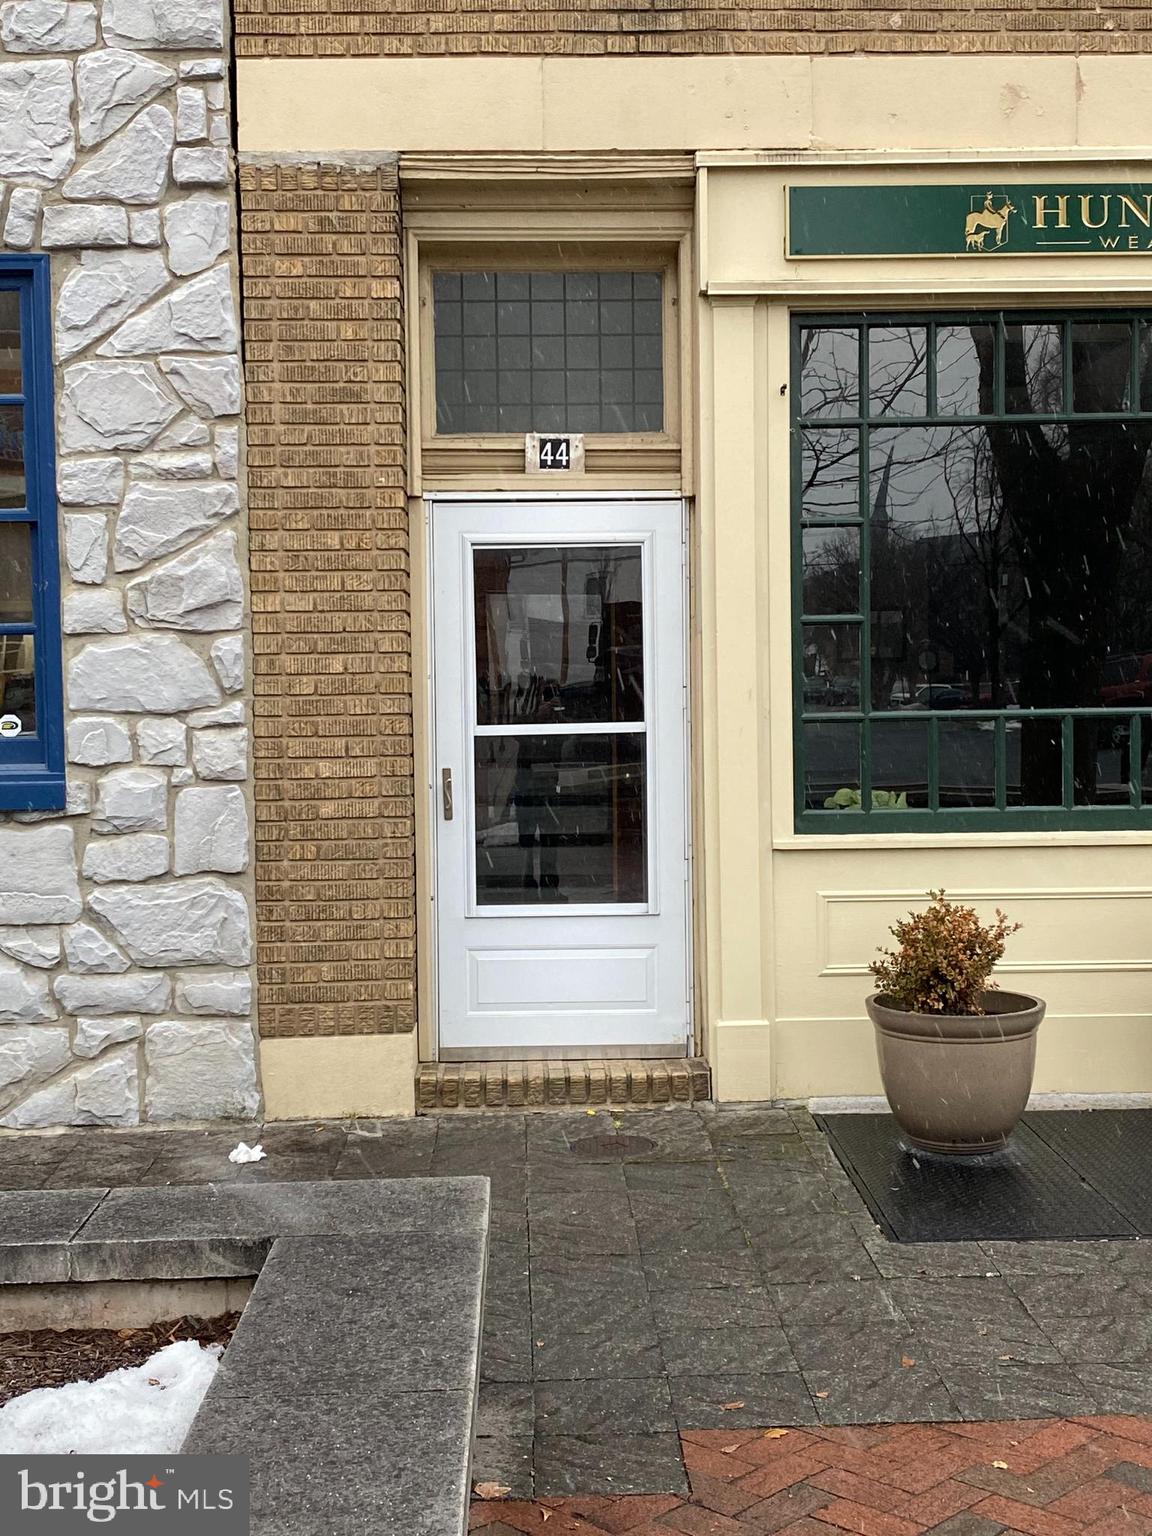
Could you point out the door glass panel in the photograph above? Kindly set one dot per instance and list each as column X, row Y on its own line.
column 15, row 573
column 900, row 750
column 1102, row 366
column 830, row 474
column 829, row 371
column 898, row 369
column 968, row 761
column 559, row 635
column 17, row 684
column 13, row 488
column 831, row 562
column 832, row 765
column 561, row 819
column 1033, row 369
column 11, row 374
column 831, row 667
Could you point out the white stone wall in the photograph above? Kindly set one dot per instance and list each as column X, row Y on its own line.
column 126, row 989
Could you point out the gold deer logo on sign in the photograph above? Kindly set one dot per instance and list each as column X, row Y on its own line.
column 986, row 221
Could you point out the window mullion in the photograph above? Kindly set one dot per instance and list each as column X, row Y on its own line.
column 1068, row 761
column 571, row 729
column 1066, row 365
column 1134, row 403
column 865, row 642
column 1000, row 770
column 1135, row 763
column 934, row 762
column 1000, row 349
column 930, row 401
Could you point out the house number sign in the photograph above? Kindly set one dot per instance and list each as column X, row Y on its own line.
column 974, row 220
column 554, row 453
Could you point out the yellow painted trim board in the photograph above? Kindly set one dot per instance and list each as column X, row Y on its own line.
column 1000, row 102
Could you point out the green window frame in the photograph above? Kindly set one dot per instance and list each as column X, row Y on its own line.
column 853, row 509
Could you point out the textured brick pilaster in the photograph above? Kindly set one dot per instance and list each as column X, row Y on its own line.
column 330, row 597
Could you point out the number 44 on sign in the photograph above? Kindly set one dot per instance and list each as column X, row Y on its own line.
column 553, row 452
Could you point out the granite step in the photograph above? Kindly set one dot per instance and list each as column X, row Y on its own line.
column 351, row 1381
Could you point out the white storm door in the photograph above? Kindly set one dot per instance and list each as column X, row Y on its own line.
column 560, row 778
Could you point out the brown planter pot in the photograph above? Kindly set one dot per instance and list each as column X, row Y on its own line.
column 958, row 1083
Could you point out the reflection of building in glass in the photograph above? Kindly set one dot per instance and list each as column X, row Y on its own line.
column 12, row 487
column 15, row 573
column 559, row 637
column 18, row 680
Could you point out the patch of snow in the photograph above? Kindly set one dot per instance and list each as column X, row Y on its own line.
column 141, row 1410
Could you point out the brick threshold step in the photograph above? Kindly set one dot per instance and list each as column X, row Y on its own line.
column 465, row 1085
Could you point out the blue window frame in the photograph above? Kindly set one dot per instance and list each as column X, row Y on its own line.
column 31, row 685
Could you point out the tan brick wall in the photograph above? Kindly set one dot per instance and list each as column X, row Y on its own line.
column 330, row 596
column 286, row 28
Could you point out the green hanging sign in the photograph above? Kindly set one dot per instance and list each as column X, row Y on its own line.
column 1029, row 219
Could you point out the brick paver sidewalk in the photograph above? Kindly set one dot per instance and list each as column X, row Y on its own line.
column 1039, row 1477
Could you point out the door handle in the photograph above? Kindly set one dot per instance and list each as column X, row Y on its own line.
column 446, row 792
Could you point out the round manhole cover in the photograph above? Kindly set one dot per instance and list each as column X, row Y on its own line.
column 612, row 1146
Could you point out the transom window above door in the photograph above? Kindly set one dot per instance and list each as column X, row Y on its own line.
column 549, row 351
column 566, row 338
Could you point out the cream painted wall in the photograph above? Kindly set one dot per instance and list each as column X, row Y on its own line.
column 810, row 912
column 1086, row 947
column 691, row 103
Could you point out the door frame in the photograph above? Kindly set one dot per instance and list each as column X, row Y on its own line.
column 427, row 788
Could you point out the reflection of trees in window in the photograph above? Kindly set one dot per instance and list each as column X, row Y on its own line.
column 1009, row 556
column 1073, row 494
column 829, row 371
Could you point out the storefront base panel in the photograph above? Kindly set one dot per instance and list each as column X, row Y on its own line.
column 1076, row 1055
column 824, row 1057
column 742, row 1060
column 338, row 1077
column 1109, row 1053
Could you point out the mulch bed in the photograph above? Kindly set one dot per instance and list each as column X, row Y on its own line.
column 47, row 1357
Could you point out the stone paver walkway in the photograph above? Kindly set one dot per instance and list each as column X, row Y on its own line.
column 655, row 1273
column 1044, row 1477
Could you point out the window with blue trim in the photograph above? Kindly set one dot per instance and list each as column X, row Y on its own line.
column 31, row 703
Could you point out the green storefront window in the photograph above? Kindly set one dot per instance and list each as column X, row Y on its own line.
column 972, row 592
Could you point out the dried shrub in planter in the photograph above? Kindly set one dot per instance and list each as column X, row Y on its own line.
column 944, row 961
